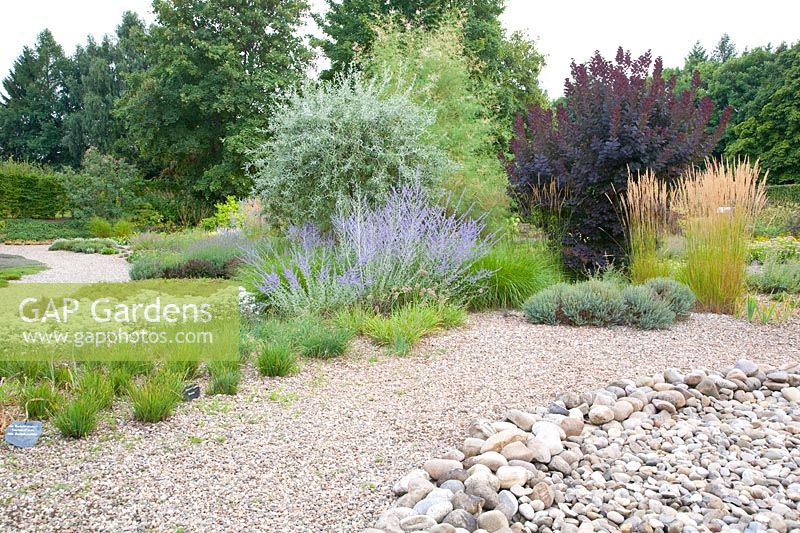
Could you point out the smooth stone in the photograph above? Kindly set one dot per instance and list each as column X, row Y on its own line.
column 501, row 439
column 600, row 414
column 401, row 487
column 512, row 475
column 540, row 450
column 550, row 434
column 492, row 521
column 622, row 410
column 521, row 419
column 517, row 451
column 460, row 518
column 468, row 502
column 792, row 394
column 748, row 367
column 708, row 388
column 437, row 468
column 417, row 523
column 544, row 493
column 508, row 504
column 472, row 446
column 572, row 426
column 493, row 460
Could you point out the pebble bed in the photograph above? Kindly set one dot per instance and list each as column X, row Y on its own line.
column 708, row 451
column 320, row 451
column 70, row 267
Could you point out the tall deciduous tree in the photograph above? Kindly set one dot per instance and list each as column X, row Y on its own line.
column 35, row 102
column 511, row 64
column 215, row 68
column 96, row 79
column 617, row 116
column 724, row 50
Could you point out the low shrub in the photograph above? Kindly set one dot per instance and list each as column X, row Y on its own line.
column 100, row 228
column 40, row 401
column 645, row 310
column 276, row 359
column 34, row 230
column 654, row 305
column 777, row 220
column 784, row 193
column 156, row 398
column 777, row 276
column 85, row 246
column 779, row 249
column 679, row 298
column 78, row 418
column 187, row 256
column 410, row 250
column 517, row 270
column 122, row 229
column 407, row 325
column 193, row 268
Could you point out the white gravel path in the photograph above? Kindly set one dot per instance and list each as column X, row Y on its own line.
column 70, row 267
column 319, row 451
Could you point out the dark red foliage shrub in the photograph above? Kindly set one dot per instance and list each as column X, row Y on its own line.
column 615, row 116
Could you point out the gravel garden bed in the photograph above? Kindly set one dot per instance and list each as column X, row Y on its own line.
column 70, row 267
column 322, row 450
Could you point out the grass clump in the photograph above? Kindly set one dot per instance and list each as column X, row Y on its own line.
column 407, row 325
column 97, row 387
column 224, row 382
column 40, row 401
column 276, row 359
column 519, row 269
column 719, row 205
column 156, row 398
column 316, row 339
column 78, row 418
column 645, row 215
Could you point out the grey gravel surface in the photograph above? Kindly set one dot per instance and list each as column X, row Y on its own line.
column 70, row 267
column 320, row 451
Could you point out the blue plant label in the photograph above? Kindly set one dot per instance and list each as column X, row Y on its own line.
column 191, row 392
column 23, row 434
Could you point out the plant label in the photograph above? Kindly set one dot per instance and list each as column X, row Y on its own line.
column 23, row 434
column 191, row 392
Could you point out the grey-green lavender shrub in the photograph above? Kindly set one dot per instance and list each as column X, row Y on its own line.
column 342, row 140
column 678, row 296
column 645, row 310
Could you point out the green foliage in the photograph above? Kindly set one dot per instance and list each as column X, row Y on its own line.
column 40, row 400
column 84, row 246
column 187, row 370
column 78, row 418
column 213, row 73
column 96, row 387
column 779, row 248
column 431, row 68
column 407, row 325
column 654, row 305
column 317, row 339
column 103, row 187
column 33, row 230
column 33, row 104
column 227, row 214
column 100, row 227
column 122, row 230
column 778, row 219
column 28, row 191
column 276, row 359
column 784, row 193
column 156, row 398
column 777, row 276
column 224, row 381
column 339, row 141
column 519, row 269
column 186, row 255
column 771, row 134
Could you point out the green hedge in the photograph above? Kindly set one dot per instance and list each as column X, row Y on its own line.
column 28, row 191
column 28, row 229
column 784, row 193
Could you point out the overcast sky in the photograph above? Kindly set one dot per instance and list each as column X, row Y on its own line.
column 563, row 29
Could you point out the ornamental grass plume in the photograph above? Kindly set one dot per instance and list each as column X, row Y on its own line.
column 719, row 204
column 645, row 216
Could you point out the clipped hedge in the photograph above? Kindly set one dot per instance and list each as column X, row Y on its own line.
column 36, row 230
column 784, row 193
column 28, row 191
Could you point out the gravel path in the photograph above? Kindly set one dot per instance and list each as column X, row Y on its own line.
column 70, row 267
column 320, row 451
